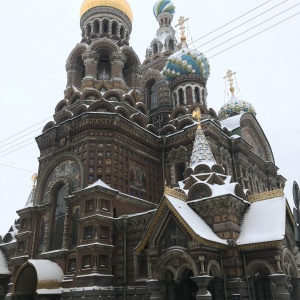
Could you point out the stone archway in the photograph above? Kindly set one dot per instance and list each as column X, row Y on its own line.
column 260, row 270
column 174, row 269
column 216, row 285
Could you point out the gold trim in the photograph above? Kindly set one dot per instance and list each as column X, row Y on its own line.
column 197, row 238
column 290, row 213
column 175, row 193
column 260, row 245
column 121, row 5
column 266, row 195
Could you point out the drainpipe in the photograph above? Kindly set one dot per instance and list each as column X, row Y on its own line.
column 233, row 160
column 224, row 275
column 247, row 280
column 125, row 221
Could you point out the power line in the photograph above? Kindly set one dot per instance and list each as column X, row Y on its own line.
column 232, row 21
column 254, row 35
column 249, row 29
column 16, row 145
column 17, row 168
column 240, row 24
column 17, row 149
column 19, row 139
column 24, row 130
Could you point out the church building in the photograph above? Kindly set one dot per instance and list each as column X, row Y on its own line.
column 143, row 191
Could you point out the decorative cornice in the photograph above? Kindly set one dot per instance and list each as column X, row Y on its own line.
column 261, row 245
column 175, row 193
column 266, row 195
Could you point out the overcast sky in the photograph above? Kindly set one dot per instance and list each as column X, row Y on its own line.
column 37, row 37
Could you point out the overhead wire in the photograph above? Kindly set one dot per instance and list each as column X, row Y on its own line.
column 232, row 21
column 25, row 130
column 17, row 168
column 239, row 25
column 190, row 44
column 254, row 35
column 250, row 29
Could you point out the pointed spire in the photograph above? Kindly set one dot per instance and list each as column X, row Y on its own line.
column 30, row 199
column 201, row 150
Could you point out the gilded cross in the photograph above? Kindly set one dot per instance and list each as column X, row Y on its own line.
column 181, row 23
column 229, row 77
column 197, row 116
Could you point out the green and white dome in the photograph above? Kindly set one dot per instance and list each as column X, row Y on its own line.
column 186, row 61
column 235, row 107
column 163, row 6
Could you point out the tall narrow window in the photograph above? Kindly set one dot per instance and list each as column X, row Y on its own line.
column 104, row 68
column 171, row 45
column 181, row 97
column 153, row 96
column 58, row 218
column 122, row 32
column 189, row 95
column 105, row 26
column 155, row 49
column 175, row 99
column 114, row 28
column 180, row 168
column 203, row 97
column 96, row 26
column 88, row 30
column 197, row 95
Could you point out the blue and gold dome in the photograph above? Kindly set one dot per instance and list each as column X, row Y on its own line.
column 235, row 107
column 186, row 61
column 163, row 6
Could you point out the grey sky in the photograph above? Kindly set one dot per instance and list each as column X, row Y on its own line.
column 37, row 37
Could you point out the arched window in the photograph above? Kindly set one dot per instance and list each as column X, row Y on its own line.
column 180, row 168
column 171, row 45
column 155, row 48
column 104, row 68
column 58, row 219
column 96, row 26
column 153, row 95
column 114, row 28
column 122, row 32
column 203, row 96
column 80, row 70
column 181, row 97
column 197, row 95
column 88, row 30
column 189, row 95
column 105, row 26
column 175, row 99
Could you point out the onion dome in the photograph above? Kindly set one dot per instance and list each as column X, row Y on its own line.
column 121, row 5
column 186, row 61
column 163, row 6
column 235, row 107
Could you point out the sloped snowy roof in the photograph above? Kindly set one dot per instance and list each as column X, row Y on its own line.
column 3, row 264
column 232, row 122
column 264, row 222
column 194, row 221
column 48, row 273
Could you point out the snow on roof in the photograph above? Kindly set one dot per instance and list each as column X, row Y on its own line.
column 100, row 183
column 47, row 271
column 3, row 264
column 194, row 221
column 231, row 123
column 264, row 222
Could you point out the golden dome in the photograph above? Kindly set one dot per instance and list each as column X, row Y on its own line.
column 121, row 5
